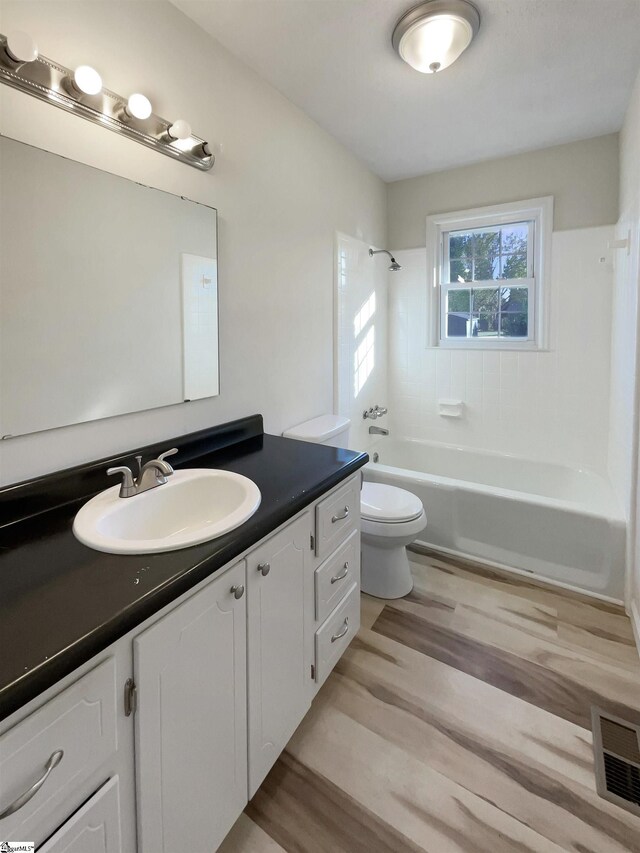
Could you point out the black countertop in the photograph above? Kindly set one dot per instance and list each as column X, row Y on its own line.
column 61, row 602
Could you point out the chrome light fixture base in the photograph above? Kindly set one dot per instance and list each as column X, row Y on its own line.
column 48, row 81
column 460, row 12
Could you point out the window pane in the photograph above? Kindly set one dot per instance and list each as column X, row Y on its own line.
column 514, row 265
column 514, row 299
column 485, row 299
column 485, row 325
column 489, row 253
column 459, row 300
column 486, row 255
column 514, row 326
column 458, row 313
column 458, row 325
column 458, row 244
column 460, row 269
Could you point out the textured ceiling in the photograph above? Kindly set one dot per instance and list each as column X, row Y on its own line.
column 539, row 73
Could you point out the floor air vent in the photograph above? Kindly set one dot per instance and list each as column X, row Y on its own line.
column 616, row 747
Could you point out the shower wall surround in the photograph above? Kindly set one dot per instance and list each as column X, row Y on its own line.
column 624, row 447
column 551, row 406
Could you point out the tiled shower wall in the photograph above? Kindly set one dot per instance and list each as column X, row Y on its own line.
column 549, row 406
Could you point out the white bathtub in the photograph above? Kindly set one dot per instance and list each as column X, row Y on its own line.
column 551, row 521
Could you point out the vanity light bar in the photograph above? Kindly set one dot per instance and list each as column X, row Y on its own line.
column 48, row 81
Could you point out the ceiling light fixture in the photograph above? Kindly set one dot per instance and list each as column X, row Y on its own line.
column 431, row 36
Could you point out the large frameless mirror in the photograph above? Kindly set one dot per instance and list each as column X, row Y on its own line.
column 108, row 294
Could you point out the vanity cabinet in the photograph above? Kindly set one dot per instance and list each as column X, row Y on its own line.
column 223, row 676
column 94, row 828
column 279, row 672
column 64, row 747
column 191, row 720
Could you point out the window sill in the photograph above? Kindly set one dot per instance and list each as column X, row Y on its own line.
column 504, row 347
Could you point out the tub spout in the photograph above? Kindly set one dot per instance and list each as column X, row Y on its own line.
column 374, row 430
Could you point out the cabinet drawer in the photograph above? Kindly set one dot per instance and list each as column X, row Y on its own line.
column 337, row 516
column 94, row 828
column 334, row 577
column 333, row 637
column 80, row 723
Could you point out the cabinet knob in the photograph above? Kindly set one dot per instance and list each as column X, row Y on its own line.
column 238, row 590
column 264, row 569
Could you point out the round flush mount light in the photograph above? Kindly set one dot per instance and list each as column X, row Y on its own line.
column 21, row 47
column 431, row 36
column 139, row 106
column 87, row 80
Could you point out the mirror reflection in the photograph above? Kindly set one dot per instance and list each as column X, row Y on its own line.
column 108, row 294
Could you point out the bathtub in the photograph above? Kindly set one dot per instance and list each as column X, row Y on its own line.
column 558, row 523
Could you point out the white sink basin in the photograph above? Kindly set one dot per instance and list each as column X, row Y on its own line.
column 193, row 506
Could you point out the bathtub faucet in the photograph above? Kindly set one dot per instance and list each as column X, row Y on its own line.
column 375, row 412
column 378, row 431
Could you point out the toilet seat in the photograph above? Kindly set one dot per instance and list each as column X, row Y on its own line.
column 385, row 504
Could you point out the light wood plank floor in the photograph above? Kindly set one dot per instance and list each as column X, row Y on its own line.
column 458, row 720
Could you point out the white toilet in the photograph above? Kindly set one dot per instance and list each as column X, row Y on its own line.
column 391, row 517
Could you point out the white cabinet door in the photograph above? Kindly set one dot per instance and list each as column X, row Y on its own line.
column 279, row 669
column 191, row 723
column 94, row 828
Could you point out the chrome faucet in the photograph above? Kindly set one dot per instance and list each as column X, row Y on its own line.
column 374, row 412
column 378, row 431
column 151, row 474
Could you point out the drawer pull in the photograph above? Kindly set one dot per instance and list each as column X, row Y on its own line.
column 23, row 799
column 342, row 630
column 335, row 518
column 264, row 569
column 238, row 590
column 342, row 574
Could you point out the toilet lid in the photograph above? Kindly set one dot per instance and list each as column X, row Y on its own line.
column 379, row 502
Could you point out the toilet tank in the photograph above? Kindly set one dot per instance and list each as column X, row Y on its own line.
column 332, row 430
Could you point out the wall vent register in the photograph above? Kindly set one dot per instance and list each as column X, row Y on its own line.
column 616, row 747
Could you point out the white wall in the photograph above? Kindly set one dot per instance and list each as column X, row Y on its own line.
column 282, row 187
column 550, row 406
column 361, row 310
column 581, row 176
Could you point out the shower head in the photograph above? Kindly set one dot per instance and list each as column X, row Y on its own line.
column 394, row 266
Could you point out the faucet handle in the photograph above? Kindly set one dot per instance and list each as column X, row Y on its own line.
column 128, row 486
column 164, row 455
column 171, row 452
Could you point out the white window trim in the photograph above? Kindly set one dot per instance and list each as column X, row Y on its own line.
column 538, row 210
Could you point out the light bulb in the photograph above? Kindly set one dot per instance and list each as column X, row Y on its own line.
column 21, row 47
column 180, row 129
column 87, row 80
column 139, row 106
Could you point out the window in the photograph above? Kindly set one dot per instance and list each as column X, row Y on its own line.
column 489, row 272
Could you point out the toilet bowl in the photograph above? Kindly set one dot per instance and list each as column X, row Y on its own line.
column 391, row 519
